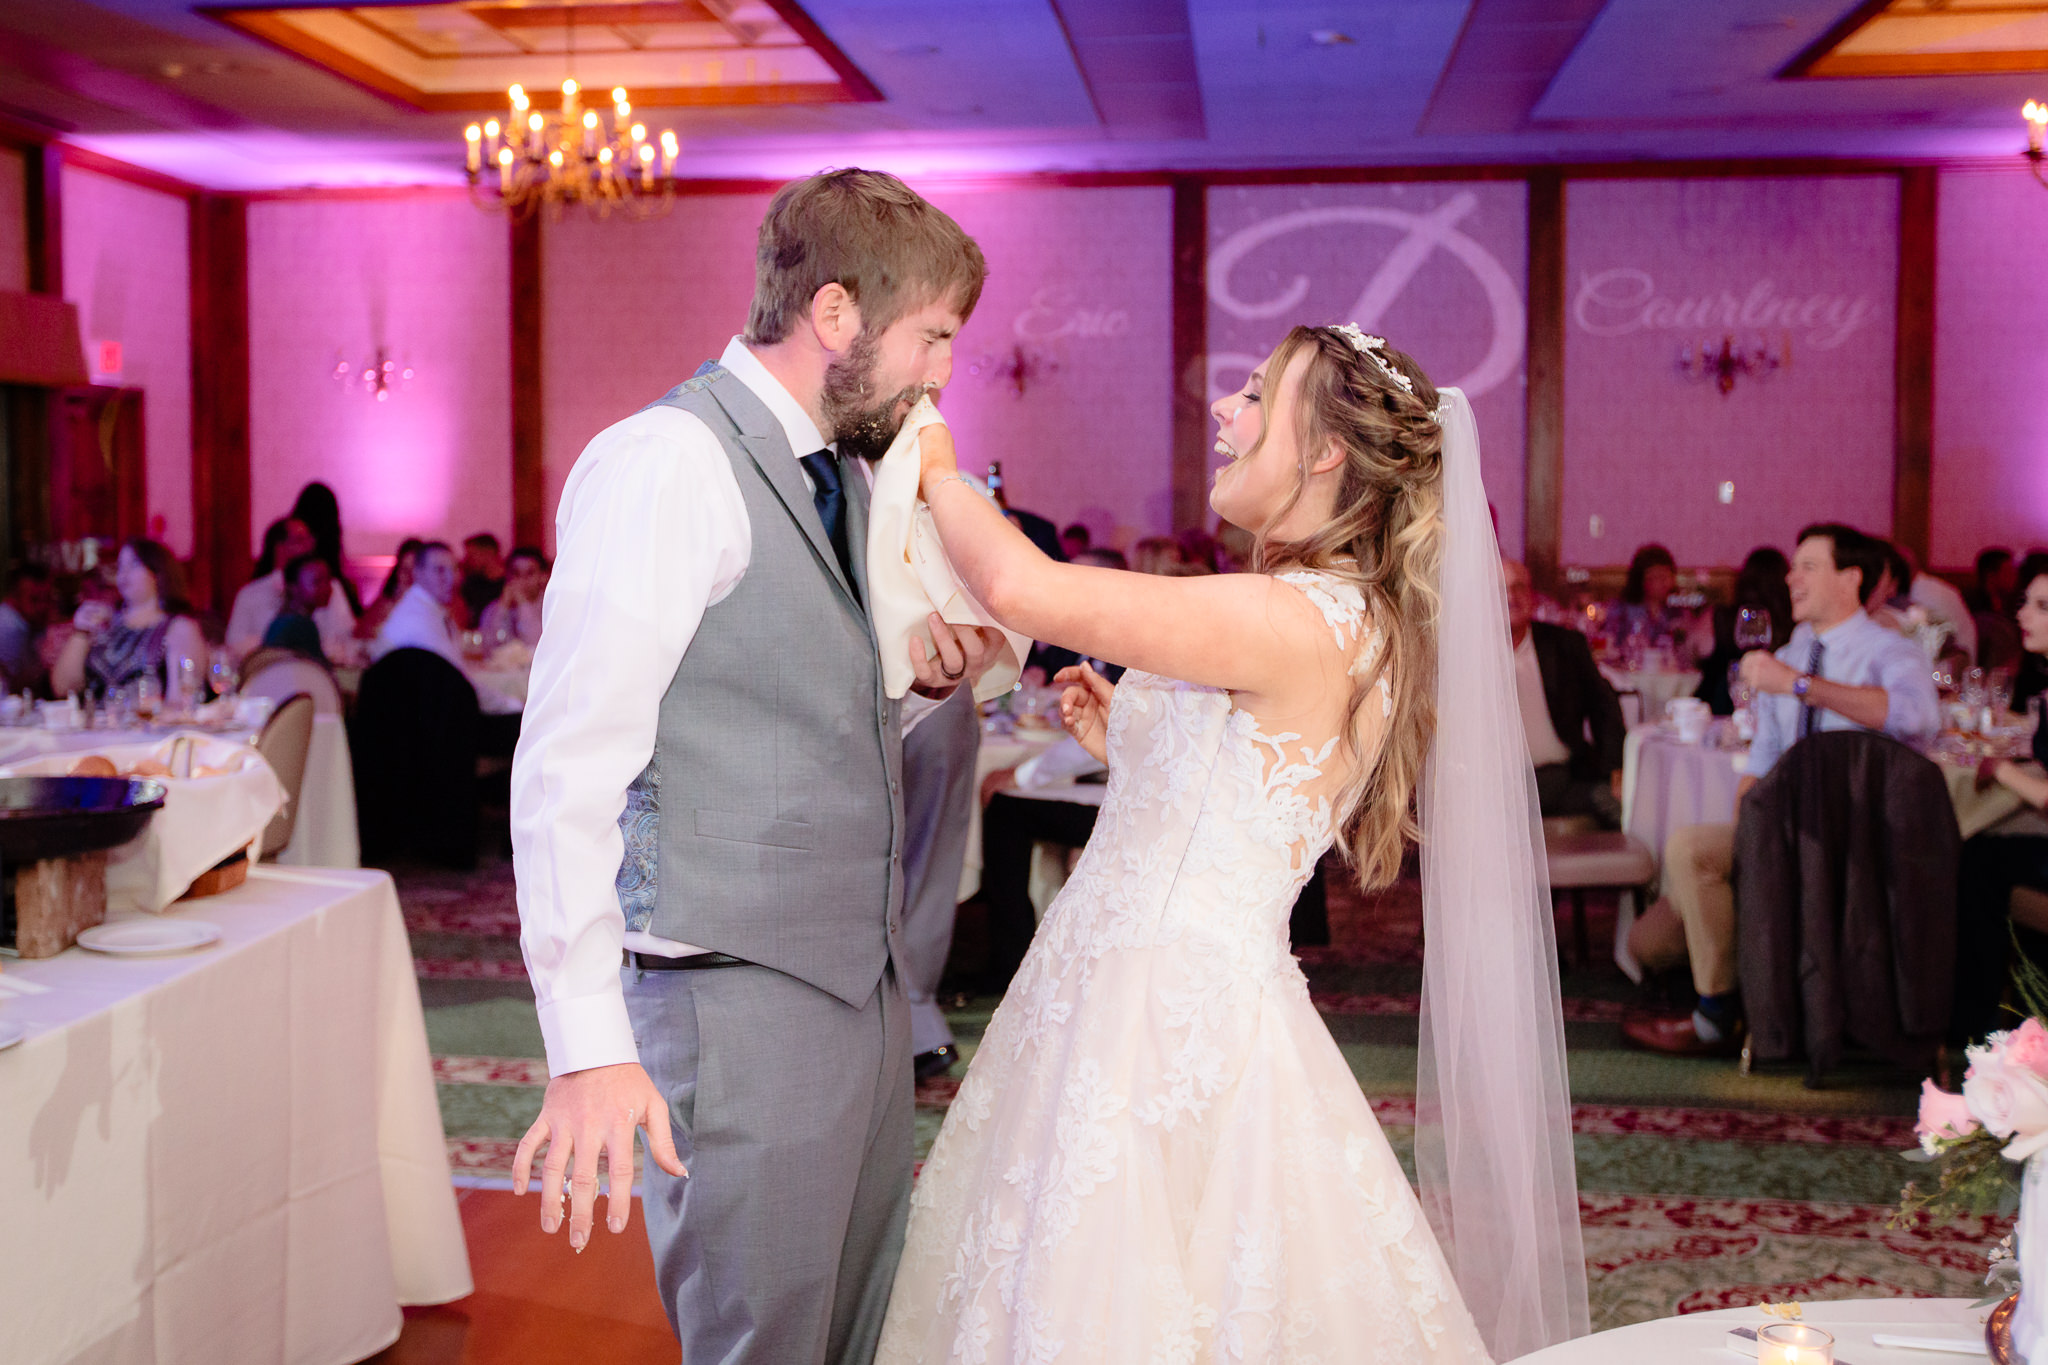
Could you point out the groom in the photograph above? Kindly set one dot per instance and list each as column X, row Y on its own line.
column 707, row 790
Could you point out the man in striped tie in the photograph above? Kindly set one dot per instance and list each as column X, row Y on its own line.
column 1840, row 670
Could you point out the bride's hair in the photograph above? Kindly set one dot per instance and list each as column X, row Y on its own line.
column 1385, row 536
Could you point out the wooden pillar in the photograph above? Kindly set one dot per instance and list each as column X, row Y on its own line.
column 43, row 172
column 529, row 465
column 1543, row 506
column 219, row 236
column 1913, row 375
column 1191, row 439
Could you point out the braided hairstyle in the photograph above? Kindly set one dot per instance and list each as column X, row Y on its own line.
column 1385, row 537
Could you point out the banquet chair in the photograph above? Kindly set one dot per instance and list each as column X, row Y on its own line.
column 286, row 739
column 283, row 673
column 414, row 740
column 1593, row 859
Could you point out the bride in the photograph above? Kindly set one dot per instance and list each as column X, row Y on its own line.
column 1159, row 1154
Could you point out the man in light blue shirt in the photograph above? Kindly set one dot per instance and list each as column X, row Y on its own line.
column 1839, row 671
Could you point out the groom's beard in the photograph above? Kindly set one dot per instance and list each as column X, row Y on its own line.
column 861, row 425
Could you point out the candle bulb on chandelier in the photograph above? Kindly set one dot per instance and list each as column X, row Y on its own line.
column 491, row 131
column 646, row 166
column 475, row 137
column 590, row 132
column 504, row 170
column 533, row 140
column 668, row 152
column 622, row 109
column 2036, row 115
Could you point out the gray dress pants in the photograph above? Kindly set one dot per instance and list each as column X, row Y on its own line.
column 938, row 805
column 792, row 1111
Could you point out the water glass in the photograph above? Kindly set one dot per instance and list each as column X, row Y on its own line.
column 1752, row 629
column 185, row 683
column 222, row 673
column 1998, row 689
column 148, row 697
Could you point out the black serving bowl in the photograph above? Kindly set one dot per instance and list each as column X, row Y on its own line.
column 61, row 817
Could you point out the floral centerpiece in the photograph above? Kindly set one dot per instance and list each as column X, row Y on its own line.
column 1983, row 1143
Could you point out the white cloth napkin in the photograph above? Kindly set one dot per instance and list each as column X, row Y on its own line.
column 203, row 819
column 909, row 576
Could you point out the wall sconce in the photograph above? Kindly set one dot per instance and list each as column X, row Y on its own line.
column 1728, row 358
column 2036, row 115
column 1019, row 368
column 376, row 378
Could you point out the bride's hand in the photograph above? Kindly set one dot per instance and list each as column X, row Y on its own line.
column 1084, row 708
column 936, row 457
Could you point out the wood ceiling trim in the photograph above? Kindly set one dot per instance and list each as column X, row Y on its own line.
column 1821, row 59
column 267, row 25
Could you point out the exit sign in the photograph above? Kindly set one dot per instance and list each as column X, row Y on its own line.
column 106, row 359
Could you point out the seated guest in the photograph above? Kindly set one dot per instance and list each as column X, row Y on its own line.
column 421, row 619
column 1760, row 583
column 24, row 616
column 320, row 512
column 1995, row 863
column 1939, row 600
column 1570, row 715
column 1075, row 539
column 1839, row 671
column 1646, row 610
column 1991, row 604
column 114, row 647
column 516, row 613
column 395, row 585
column 483, row 575
column 309, row 586
column 258, row 603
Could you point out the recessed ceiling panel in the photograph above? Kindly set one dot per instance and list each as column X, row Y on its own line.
column 462, row 56
column 1932, row 38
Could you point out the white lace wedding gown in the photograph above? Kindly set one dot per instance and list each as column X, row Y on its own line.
column 1158, row 1154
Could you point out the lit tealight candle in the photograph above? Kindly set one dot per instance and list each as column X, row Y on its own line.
column 1794, row 1343
column 475, row 137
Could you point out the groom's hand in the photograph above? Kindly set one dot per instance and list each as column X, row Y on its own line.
column 965, row 653
column 586, row 1113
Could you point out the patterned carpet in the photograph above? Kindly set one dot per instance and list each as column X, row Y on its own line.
column 1699, row 1188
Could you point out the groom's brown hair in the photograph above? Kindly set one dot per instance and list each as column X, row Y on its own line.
column 870, row 232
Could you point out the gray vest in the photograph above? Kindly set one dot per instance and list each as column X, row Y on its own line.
column 768, row 824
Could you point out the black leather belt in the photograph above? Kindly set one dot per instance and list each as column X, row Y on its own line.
column 650, row 962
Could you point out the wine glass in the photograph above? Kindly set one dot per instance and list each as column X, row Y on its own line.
column 148, row 697
column 185, row 683
column 1752, row 629
column 222, row 674
column 1998, row 686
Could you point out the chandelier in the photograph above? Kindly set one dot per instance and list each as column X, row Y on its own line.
column 569, row 158
column 2036, row 115
column 1723, row 361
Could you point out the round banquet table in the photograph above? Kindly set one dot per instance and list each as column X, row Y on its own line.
column 997, row 753
column 1702, row 1337
column 233, row 1154
column 324, row 834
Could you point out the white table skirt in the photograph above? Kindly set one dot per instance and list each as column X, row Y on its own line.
column 1699, row 1337
column 997, row 753
column 228, row 1155
column 325, row 835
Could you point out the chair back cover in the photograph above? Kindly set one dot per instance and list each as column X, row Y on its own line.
column 414, row 740
column 286, row 739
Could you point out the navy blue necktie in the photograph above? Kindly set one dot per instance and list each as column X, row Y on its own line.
column 1809, row 721
column 829, row 495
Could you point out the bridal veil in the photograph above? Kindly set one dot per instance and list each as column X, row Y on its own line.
column 1493, row 1135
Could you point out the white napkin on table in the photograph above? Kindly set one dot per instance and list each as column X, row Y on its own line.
column 909, row 576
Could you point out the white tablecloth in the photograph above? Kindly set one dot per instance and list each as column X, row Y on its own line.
column 325, row 835
column 229, row 1155
column 1699, row 1337
column 997, row 753
column 499, row 691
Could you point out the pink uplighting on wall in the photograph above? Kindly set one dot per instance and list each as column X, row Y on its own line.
column 1990, row 361
column 127, row 267
column 1807, row 267
column 426, row 278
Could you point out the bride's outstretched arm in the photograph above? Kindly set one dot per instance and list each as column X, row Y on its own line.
column 1244, row 632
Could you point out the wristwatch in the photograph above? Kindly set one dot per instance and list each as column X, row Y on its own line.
column 1800, row 685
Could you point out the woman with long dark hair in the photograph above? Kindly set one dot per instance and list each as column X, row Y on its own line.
column 153, row 626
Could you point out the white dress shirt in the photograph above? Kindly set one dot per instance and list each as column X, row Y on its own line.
column 1545, row 748
column 651, row 532
column 417, row 621
column 261, row 599
column 1858, row 653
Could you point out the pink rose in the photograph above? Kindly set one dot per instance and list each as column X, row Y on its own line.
column 1943, row 1114
column 2011, row 1102
column 2027, row 1046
